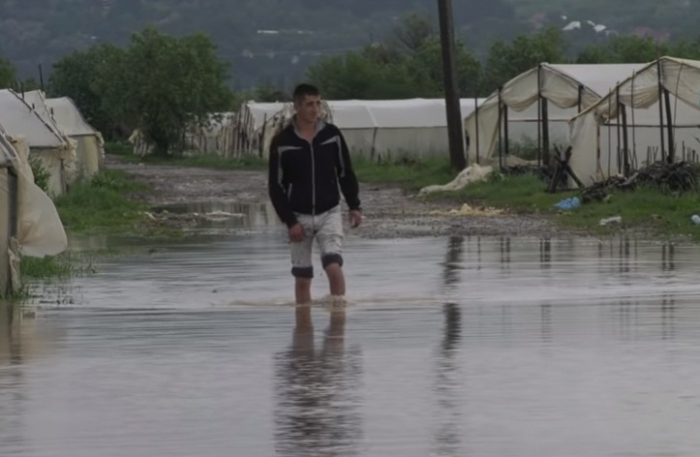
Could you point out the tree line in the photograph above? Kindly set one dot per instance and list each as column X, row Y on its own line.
column 162, row 84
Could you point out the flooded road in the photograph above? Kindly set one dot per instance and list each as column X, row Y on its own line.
column 461, row 346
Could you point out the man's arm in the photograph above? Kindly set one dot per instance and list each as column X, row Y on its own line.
column 276, row 188
column 346, row 176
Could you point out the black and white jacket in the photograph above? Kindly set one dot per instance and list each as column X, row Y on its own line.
column 308, row 177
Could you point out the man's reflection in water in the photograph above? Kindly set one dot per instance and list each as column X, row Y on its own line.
column 317, row 391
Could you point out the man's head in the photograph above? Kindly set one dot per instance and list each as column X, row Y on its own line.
column 307, row 103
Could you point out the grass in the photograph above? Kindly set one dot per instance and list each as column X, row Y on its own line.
column 245, row 162
column 101, row 205
column 409, row 174
column 524, row 193
column 64, row 265
column 647, row 211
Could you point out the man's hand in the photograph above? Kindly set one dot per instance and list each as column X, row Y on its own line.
column 296, row 233
column 355, row 218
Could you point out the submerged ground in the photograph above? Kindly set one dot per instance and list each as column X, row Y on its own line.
column 491, row 336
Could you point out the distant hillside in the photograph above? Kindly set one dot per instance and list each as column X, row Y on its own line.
column 275, row 40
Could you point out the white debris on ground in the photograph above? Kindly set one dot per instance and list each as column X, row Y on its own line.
column 473, row 173
column 467, row 210
column 213, row 216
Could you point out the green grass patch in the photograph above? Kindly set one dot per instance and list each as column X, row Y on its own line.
column 118, row 148
column 409, row 174
column 645, row 210
column 64, row 265
column 245, row 162
column 524, row 193
column 101, row 204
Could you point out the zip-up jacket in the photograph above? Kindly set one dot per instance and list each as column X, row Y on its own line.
column 308, row 177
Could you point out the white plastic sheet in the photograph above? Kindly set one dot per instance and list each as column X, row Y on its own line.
column 40, row 231
column 594, row 138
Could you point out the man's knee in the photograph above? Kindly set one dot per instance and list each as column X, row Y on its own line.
column 303, row 272
column 332, row 258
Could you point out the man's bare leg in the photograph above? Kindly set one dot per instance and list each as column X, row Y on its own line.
column 302, row 291
column 336, row 280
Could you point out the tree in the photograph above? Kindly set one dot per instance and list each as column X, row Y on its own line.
column 360, row 75
column 412, row 32
column 7, row 73
column 164, row 85
column 76, row 76
column 426, row 67
column 623, row 49
column 267, row 92
column 507, row 60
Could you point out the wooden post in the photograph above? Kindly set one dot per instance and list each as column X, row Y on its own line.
column 500, row 129
column 634, row 129
column 625, row 140
column 539, row 115
column 5, row 234
column 505, row 131
column 261, row 146
column 617, row 128
column 41, row 78
column 476, row 121
column 661, row 113
column 545, row 131
column 455, row 125
column 580, row 96
column 609, row 132
column 669, row 127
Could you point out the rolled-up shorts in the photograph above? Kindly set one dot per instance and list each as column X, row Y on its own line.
column 327, row 230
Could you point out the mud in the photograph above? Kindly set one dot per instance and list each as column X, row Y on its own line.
column 389, row 212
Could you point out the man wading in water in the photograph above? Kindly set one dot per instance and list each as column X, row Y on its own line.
column 309, row 167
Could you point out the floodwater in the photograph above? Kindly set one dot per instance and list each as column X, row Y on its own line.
column 463, row 346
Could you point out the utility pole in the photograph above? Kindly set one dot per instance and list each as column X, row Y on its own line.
column 455, row 125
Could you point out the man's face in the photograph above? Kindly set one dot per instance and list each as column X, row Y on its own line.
column 309, row 108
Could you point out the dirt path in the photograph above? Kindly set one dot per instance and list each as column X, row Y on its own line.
column 389, row 212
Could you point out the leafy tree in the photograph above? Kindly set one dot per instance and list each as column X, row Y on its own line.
column 163, row 85
column 426, row 67
column 623, row 49
column 76, row 76
column 266, row 92
column 412, row 32
column 361, row 75
column 507, row 60
column 7, row 73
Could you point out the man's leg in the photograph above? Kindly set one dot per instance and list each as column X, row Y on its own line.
column 330, row 239
column 302, row 268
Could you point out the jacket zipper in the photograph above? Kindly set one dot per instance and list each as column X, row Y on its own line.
column 313, row 180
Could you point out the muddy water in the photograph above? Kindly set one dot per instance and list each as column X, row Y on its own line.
column 452, row 346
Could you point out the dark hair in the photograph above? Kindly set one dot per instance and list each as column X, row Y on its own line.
column 302, row 90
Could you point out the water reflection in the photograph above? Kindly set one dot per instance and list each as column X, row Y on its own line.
column 448, row 381
column 223, row 215
column 318, row 391
column 11, row 379
column 667, row 254
column 453, row 261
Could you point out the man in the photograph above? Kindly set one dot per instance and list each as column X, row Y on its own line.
column 309, row 166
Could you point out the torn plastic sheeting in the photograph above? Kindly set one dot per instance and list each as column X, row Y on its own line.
column 40, row 230
column 473, row 173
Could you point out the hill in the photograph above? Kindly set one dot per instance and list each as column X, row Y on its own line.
column 275, row 40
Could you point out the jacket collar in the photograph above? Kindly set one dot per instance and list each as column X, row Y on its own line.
column 320, row 124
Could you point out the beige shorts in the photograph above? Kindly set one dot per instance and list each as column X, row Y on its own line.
column 327, row 230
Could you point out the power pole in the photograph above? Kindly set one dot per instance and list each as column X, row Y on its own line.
column 455, row 126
